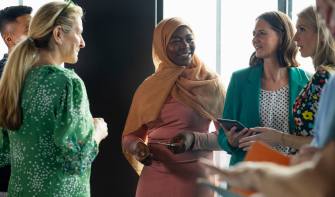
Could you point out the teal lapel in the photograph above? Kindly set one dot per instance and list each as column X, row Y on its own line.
column 296, row 84
column 251, row 96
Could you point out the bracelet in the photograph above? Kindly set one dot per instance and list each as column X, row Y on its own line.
column 283, row 141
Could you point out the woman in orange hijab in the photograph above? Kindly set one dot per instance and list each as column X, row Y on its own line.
column 174, row 105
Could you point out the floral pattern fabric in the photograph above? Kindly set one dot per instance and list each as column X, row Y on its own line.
column 306, row 105
column 52, row 152
column 4, row 148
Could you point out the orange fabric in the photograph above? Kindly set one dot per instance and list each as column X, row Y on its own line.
column 195, row 86
column 261, row 152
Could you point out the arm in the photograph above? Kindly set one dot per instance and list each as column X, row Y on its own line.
column 324, row 123
column 130, row 141
column 134, row 144
column 273, row 137
column 233, row 137
column 309, row 179
column 317, row 84
column 313, row 178
column 4, row 148
column 74, row 130
column 206, row 141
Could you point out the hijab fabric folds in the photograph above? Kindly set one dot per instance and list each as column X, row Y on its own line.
column 196, row 86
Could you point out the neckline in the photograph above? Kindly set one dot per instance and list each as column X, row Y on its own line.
column 276, row 90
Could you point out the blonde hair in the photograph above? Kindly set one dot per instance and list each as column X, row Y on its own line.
column 26, row 54
column 325, row 54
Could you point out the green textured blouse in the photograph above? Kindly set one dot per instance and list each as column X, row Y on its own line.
column 52, row 152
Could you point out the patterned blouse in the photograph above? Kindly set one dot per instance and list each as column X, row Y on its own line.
column 306, row 105
column 274, row 112
column 52, row 152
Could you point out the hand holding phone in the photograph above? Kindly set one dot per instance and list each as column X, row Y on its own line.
column 234, row 131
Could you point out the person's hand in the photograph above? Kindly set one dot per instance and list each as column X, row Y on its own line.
column 245, row 176
column 142, row 154
column 306, row 153
column 184, row 141
column 101, row 130
column 269, row 136
column 234, row 137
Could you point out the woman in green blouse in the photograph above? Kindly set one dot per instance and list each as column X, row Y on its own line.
column 47, row 132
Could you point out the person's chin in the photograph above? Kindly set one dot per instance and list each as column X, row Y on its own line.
column 72, row 61
column 258, row 55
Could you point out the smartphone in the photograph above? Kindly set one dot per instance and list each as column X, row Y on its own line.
column 231, row 123
column 166, row 144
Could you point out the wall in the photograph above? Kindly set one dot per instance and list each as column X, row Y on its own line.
column 115, row 61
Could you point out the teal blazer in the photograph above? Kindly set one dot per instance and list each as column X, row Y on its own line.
column 242, row 102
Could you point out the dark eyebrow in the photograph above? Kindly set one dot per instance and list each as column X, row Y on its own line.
column 180, row 37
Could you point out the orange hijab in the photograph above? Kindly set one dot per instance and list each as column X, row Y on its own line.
column 197, row 86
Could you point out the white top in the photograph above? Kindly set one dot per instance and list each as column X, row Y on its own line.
column 274, row 112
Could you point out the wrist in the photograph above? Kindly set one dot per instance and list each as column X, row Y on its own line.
column 192, row 144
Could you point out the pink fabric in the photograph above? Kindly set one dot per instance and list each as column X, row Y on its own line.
column 169, row 174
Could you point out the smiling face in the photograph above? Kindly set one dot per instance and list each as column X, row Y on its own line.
column 266, row 40
column 181, row 46
column 72, row 43
column 306, row 38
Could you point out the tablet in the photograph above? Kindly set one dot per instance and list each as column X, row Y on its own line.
column 231, row 123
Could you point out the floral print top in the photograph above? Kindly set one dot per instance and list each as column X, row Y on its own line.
column 306, row 105
column 52, row 152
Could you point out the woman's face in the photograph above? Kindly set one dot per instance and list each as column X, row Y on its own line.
column 266, row 40
column 306, row 39
column 181, row 47
column 72, row 43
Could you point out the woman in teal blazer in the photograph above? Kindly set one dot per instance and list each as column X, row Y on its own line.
column 272, row 67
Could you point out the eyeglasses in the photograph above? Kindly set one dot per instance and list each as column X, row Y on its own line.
column 62, row 12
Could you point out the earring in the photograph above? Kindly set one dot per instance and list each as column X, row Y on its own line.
column 14, row 44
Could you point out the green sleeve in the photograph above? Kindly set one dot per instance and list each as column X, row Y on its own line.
column 4, row 148
column 228, row 114
column 74, row 129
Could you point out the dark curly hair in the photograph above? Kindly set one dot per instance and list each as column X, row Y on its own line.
column 287, row 50
column 9, row 15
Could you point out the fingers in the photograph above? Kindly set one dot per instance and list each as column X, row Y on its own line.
column 249, row 138
column 142, row 154
column 179, row 148
column 147, row 160
column 246, row 144
column 176, row 138
column 244, row 133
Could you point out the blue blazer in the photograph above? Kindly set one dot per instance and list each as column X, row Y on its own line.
column 242, row 102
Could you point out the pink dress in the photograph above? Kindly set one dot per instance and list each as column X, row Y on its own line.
column 174, row 175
